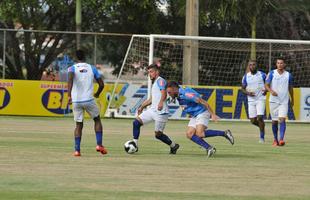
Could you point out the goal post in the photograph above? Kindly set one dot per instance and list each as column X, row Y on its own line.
column 221, row 65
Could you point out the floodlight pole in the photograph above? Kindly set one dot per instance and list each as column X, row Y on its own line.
column 78, row 21
column 4, row 50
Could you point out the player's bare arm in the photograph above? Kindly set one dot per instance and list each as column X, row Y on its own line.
column 162, row 99
column 244, row 91
column 100, row 88
column 214, row 117
column 273, row 93
column 70, row 84
column 144, row 104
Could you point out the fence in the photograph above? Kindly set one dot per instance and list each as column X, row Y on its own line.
column 36, row 55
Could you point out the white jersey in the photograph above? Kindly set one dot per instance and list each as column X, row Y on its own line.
column 159, row 85
column 255, row 83
column 280, row 84
column 83, row 78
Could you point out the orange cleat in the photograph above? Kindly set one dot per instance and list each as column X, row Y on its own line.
column 275, row 143
column 101, row 149
column 281, row 143
column 77, row 153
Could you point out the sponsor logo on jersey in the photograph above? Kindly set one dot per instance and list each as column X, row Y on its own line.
column 190, row 95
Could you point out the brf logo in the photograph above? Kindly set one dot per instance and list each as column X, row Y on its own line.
column 4, row 97
column 307, row 103
column 56, row 101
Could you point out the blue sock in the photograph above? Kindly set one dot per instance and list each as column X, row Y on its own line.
column 282, row 130
column 164, row 138
column 77, row 143
column 136, row 129
column 200, row 141
column 212, row 133
column 99, row 137
column 262, row 134
column 275, row 131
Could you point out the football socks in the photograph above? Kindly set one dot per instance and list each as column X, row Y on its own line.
column 136, row 129
column 282, row 129
column 200, row 141
column 164, row 138
column 275, row 130
column 99, row 137
column 77, row 144
column 213, row 133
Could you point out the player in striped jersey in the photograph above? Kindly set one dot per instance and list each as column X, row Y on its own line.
column 253, row 85
column 279, row 83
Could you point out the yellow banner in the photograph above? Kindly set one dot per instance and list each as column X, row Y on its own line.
column 42, row 98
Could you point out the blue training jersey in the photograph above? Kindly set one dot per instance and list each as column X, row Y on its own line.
column 188, row 100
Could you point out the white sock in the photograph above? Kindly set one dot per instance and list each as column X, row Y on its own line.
column 172, row 144
column 136, row 141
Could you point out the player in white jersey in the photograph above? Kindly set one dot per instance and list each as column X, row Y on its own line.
column 158, row 111
column 279, row 83
column 80, row 94
column 253, row 85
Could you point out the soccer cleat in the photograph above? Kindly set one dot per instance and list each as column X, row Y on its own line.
column 173, row 150
column 229, row 137
column 77, row 153
column 275, row 143
column 281, row 143
column 261, row 140
column 101, row 149
column 211, row 151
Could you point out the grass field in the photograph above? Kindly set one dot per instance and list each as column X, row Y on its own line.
column 36, row 162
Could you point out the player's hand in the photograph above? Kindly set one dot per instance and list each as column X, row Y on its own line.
column 214, row 117
column 140, row 109
column 96, row 95
column 273, row 93
column 264, row 92
column 160, row 106
column 69, row 100
column 251, row 94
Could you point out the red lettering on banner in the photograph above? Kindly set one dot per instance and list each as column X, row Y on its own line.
column 6, row 84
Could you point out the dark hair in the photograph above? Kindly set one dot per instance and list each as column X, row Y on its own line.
column 280, row 58
column 80, row 54
column 153, row 66
column 173, row 84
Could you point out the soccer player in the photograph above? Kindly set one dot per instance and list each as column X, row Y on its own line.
column 80, row 94
column 158, row 111
column 253, row 85
column 279, row 83
column 200, row 112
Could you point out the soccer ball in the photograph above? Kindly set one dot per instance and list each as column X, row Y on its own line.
column 130, row 147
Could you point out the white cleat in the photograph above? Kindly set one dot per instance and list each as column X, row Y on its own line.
column 211, row 151
column 229, row 137
column 261, row 140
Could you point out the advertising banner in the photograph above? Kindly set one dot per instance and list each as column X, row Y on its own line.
column 305, row 104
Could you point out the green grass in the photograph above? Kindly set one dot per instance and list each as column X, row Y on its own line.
column 36, row 162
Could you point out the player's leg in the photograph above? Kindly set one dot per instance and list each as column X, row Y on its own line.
column 78, row 113
column 202, row 131
column 252, row 113
column 144, row 118
column 260, row 109
column 274, row 111
column 92, row 109
column 283, row 109
column 160, row 124
column 198, row 137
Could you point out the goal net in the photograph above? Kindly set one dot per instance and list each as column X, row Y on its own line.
column 214, row 66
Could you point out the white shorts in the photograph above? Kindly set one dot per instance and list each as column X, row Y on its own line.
column 278, row 110
column 150, row 115
column 90, row 107
column 202, row 118
column 256, row 108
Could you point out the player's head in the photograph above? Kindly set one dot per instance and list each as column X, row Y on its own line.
column 153, row 71
column 280, row 63
column 80, row 54
column 173, row 89
column 252, row 66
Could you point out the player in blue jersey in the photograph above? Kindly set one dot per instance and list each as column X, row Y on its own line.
column 80, row 94
column 253, row 85
column 158, row 110
column 200, row 113
column 279, row 83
